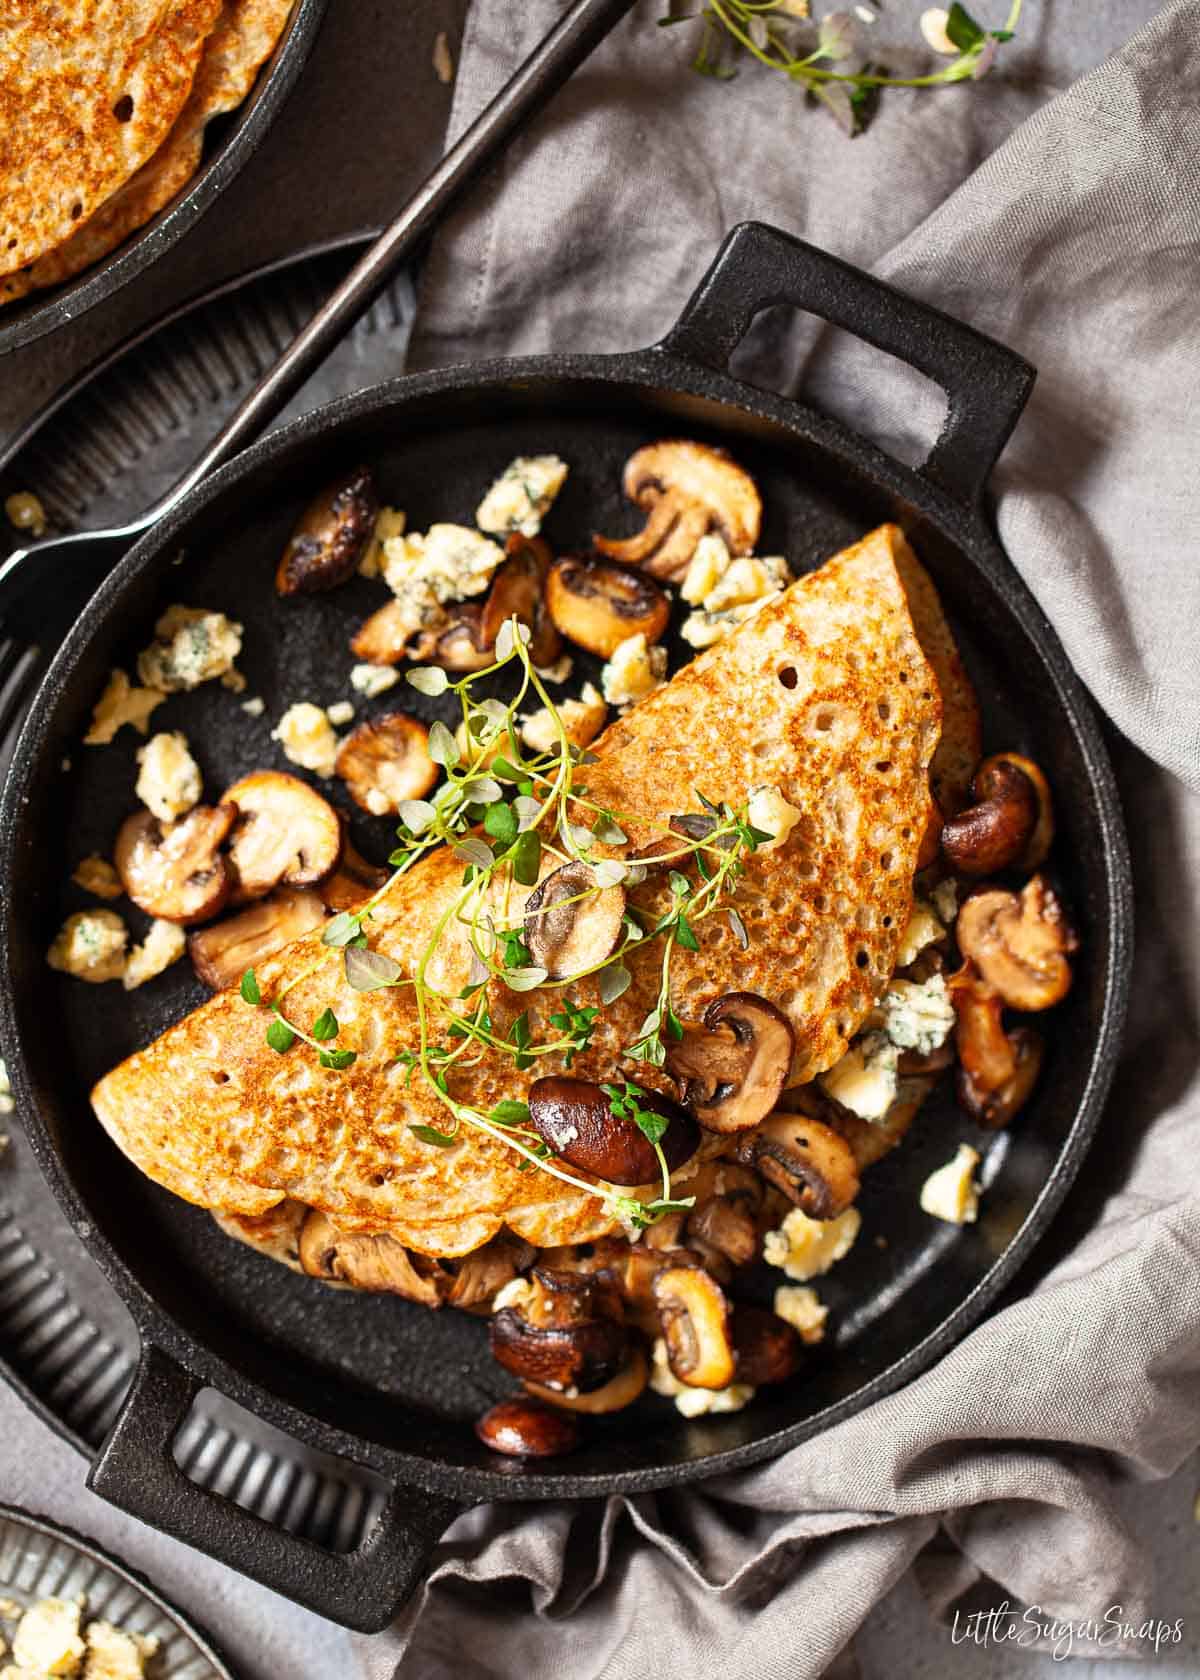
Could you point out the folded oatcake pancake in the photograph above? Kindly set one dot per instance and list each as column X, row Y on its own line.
column 826, row 695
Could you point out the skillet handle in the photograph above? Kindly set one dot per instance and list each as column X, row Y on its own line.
column 986, row 385
column 362, row 1589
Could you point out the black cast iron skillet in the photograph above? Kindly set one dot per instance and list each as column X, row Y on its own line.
column 229, row 143
column 390, row 1385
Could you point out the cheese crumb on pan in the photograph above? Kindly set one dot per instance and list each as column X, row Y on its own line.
column 522, row 496
column 307, row 738
column 91, row 946
column 169, row 781
column 806, row 1248
column 121, row 703
column 47, row 1640
column 163, row 945
column 694, row 1402
column 191, row 646
column 725, row 591
column 96, row 875
column 951, row 1193
column 633, row 672
column 373, row 679
column 582, row 721
column 864, row 1080
column 802, row 1308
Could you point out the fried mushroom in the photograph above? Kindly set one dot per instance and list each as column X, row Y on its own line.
column 599, row 605
column 518, row 591
column 329, row 538
column 1019, row 943
column 458, row 645
column 386, row 761
column 998, row 1068
column 221, row 954
column 812, row 1164
column 565, row 1335
column 768, row 1349
column 576, row 1119
column 523, row 1427
column 1010, row 826
column 571, row 923
column 377, row 1263
column 613, row 1396
column 177, row 873
column 695, row 1319
column 383, row 638
column 687, row 489
column 731, row 1070
column 286, row 834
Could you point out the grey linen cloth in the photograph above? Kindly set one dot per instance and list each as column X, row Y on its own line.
column 1077, row 241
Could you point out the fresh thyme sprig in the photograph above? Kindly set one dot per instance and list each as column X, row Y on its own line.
column 777, row 33
column 502, row 810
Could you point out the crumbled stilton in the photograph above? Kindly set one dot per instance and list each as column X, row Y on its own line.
column 307, row 738
column 373, row 679
column 582, row 721
column 918, row 1016
column 802, row 1308
column 770, row 813
column 168, row 781
column 97, row 876
column 522, row 496
column 806, row 1248
column 726, row 592
column 951, row 1193
column 164, row 944
column 91, row 946
column 864, row 1080
column 633, row 672
column 694, row 1402
column 120, row 704
column 191, row 646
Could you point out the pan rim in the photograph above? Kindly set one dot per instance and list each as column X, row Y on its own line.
column 648, row 371
column 275, row 81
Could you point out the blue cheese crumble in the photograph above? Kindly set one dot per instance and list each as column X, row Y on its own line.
column 726, row 592
column 191, row 646
column 425, row 571
column 522, row 496
column 918, row 1016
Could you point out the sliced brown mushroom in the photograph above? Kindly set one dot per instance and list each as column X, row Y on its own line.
column 527, row 1428
column 567, row 1334
column 330, row 536
column 617, row 1393
column 1011, row 824
column 576, row 1119
column 518, row 591
column 1020, row 944
column 383, row 638
column 997, row 1068
column 768, row 1349
column 694, row 1314
column 726, row 1218
column 379, row 1264
column 571, row 924
column 177, row 873
column 386, row 761
column 221, row 954
column 476, row 1278
column 458, row 645
column 353, row 881
column 731, row 1070
column 599, row 605
column 812, row 1164
column 996, row 1108
column 688, row 489
column 285, row 834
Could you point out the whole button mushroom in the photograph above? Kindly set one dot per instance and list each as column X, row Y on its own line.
column 1010, row 826
column 518, row 591
column 768, row 1348
column 731, row 1069
column 599, row 605
column 688, row 489
column 527, row 1428
column 330, row 536
column 576, row 1119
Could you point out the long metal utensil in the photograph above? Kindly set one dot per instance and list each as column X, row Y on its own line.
column 548, row 66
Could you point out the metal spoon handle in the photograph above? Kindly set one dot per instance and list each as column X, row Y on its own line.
column 548, row 66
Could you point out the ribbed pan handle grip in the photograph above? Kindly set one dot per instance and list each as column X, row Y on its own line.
column 986, row 385
column 362, row 1589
